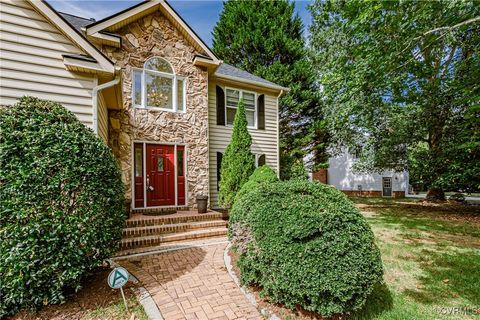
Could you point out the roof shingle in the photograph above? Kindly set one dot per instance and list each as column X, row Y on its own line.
column 229, row 70
column 76, row 21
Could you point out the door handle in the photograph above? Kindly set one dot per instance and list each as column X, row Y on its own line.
column 149, row 187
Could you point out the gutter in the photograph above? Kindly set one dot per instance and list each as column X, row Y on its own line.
column 251, row 82
column 278, row 135
column 95, row 91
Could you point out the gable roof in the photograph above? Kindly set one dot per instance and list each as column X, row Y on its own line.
column 133, row 13
column 229, row 72
column 116, row 21
column 104, row 64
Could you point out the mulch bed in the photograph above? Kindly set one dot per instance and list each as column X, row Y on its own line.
column 94, row 294
column 281, row 311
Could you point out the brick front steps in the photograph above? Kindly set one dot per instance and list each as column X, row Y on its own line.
column 147, row 233
column 159, row 211
column 180, row 217
column 171, row 228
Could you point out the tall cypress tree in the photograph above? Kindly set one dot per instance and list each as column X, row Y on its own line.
column 238, row 161
column 266, row 38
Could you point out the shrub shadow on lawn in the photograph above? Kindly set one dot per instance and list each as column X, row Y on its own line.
column 448, row 276
column 379, row 301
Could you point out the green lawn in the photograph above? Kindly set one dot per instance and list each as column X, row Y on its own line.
column 431, row 256
column 117, row 311
column 474, row 194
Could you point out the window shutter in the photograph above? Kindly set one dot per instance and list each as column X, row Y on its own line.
column 219, row 167
column 220, row 106
column 261, row 160
column 261, row 112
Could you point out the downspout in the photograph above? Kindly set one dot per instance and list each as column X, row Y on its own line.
column 278, row 135
column 95, row 91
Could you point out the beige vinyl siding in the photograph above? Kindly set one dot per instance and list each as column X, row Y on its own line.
column 102, row 118
column 31, row 61
column 263, row 141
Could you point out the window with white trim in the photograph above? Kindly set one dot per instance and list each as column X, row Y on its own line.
column 232, row 97
column 156, row 86
column 260, row 160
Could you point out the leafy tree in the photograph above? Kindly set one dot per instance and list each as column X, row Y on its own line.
column 269, row 43
column 400, row 81
column 238, row 161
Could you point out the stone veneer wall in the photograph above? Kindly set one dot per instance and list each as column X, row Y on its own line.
column 154, row 35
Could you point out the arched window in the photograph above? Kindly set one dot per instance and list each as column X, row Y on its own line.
column 157, row 86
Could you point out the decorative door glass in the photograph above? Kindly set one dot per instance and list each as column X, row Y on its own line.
column 160, row 164
column 180, row 163
column 138, row 162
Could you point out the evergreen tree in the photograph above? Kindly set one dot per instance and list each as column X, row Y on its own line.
column 238, row 161
column 265, row 38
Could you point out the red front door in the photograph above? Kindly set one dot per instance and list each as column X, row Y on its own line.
column 160, row 175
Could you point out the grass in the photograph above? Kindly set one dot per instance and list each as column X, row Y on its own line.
column 117, row 311
column 466, row 194
column 431, row 256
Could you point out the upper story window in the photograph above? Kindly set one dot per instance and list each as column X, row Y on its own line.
column 232, row 98
column 157, row 86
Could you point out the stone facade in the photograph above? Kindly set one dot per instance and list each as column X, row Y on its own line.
column 155, row 35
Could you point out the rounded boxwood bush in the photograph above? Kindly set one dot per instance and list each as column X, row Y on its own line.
column 263, row 174
column 62, row 203
column 305, row 244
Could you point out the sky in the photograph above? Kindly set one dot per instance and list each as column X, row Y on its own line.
column 200, row 15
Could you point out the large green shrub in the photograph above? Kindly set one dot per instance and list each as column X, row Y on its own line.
column 61, row 199
column 304, row 243
column 238, row 161
column 263, row 174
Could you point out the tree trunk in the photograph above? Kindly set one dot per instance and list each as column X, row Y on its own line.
column 435, row 194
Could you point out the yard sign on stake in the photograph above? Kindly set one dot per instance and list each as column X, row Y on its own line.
column 117, row 279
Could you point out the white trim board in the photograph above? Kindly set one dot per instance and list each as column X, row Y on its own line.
column 72, row 34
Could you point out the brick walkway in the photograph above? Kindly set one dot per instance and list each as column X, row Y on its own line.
column 192, row 283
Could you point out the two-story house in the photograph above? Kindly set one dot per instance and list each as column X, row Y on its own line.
column 146, row 84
